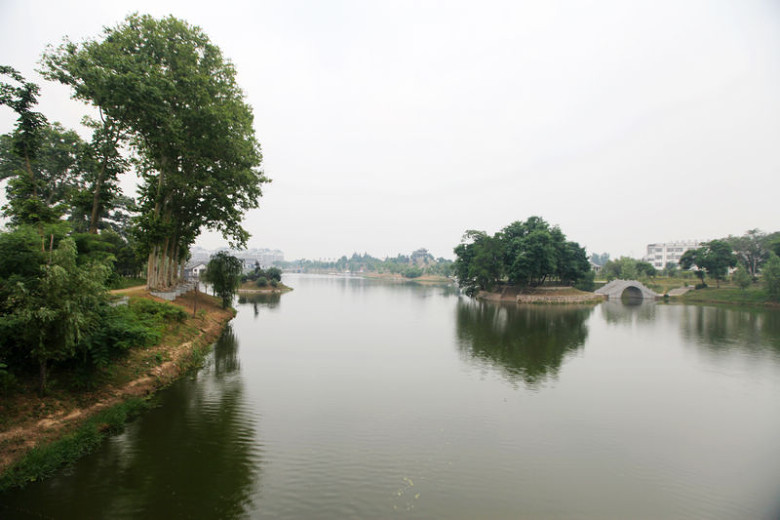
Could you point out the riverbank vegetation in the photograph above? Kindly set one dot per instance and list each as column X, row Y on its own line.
column 263, row 280
column 167, row 107
column 526, row 254
column 139, row 347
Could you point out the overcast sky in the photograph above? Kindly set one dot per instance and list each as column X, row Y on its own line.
column 394, row 125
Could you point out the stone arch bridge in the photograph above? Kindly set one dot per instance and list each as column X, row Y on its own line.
column 632, row 288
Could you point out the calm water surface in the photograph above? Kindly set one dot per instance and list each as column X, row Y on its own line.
column 352, row 398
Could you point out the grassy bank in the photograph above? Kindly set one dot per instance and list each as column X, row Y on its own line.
column 541, row 295
column 43, row 461
column 727, row 294
column 38, row 435
column 397, row 277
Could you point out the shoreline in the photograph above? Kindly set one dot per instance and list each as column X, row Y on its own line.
column 253, row 289
column 541, row 296
column 34, row 424
column 395, row 277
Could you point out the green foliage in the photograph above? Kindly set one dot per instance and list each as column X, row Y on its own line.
column 587, row 283
column 714, row 257
column 742, row 278
column 262, row 282
column 164, row 83
column 53, row 314
column 223, row 272
column 158, row 311
column 526, row 253
column 671, row 269
column 413, row 272
column 771, row 277
column 41, row 189
column 43, row 462
column 752, row 249
column 7, row 379
column 479, row 261
column 753, row 295
column 274, row 273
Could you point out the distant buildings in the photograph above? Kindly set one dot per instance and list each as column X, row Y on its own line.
column 263, row 257
column 669, row 252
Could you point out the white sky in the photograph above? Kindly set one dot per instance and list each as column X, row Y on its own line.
column 389, row 126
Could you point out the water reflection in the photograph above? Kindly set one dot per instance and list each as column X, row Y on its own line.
column 723, row 329
column 196, row 456
column 528, row 343
column 628, row 311
column 268, row 300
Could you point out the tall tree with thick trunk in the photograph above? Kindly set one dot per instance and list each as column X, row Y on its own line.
column 171, row 88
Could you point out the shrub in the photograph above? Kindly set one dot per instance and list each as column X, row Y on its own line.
column 163, row 311
column 771, row 275
column 262, row 281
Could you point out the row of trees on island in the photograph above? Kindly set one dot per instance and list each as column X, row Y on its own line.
column 528, row 253
column 167, row 107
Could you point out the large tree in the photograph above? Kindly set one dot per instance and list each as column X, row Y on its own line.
column 715, row 257
column 171, row 89
column 25, row 141
column 752, row 249
column 41, row 189
column 479, row 261
column 223, row 272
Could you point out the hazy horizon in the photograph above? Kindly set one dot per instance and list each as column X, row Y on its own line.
column 391, row 126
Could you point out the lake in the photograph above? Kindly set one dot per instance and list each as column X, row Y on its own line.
column 358, row 398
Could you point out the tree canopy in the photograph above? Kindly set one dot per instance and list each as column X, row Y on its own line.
column 523, row 253
column 166, row 85
column 714, row 257
column 223, row 272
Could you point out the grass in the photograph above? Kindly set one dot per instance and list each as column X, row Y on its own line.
column 731, row 294
column 127, row 282
column 44, row 461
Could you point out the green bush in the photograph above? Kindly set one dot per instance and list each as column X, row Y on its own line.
column 7, row 380
column 262, row 281
column 163, row 311
column 412, row 272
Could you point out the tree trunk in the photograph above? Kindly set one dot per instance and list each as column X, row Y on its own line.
column 42, row 378
column 163, row 279
column 93, row 219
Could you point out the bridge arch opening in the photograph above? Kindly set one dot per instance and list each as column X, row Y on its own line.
column 632, row 294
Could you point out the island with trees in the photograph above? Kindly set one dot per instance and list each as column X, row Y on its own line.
column 527, row 262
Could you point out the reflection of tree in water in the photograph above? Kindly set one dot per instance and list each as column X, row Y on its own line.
column 723, row 329
column 628, row 311
column 195, row 456
column 528, row 342
column 226, row 359
column 268, row 300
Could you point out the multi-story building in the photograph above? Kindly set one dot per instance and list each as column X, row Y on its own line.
column 668, row 252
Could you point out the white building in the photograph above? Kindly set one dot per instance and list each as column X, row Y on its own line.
column 669, row 252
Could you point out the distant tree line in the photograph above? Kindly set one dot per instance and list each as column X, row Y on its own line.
column 414, row 265
column 529, row 253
